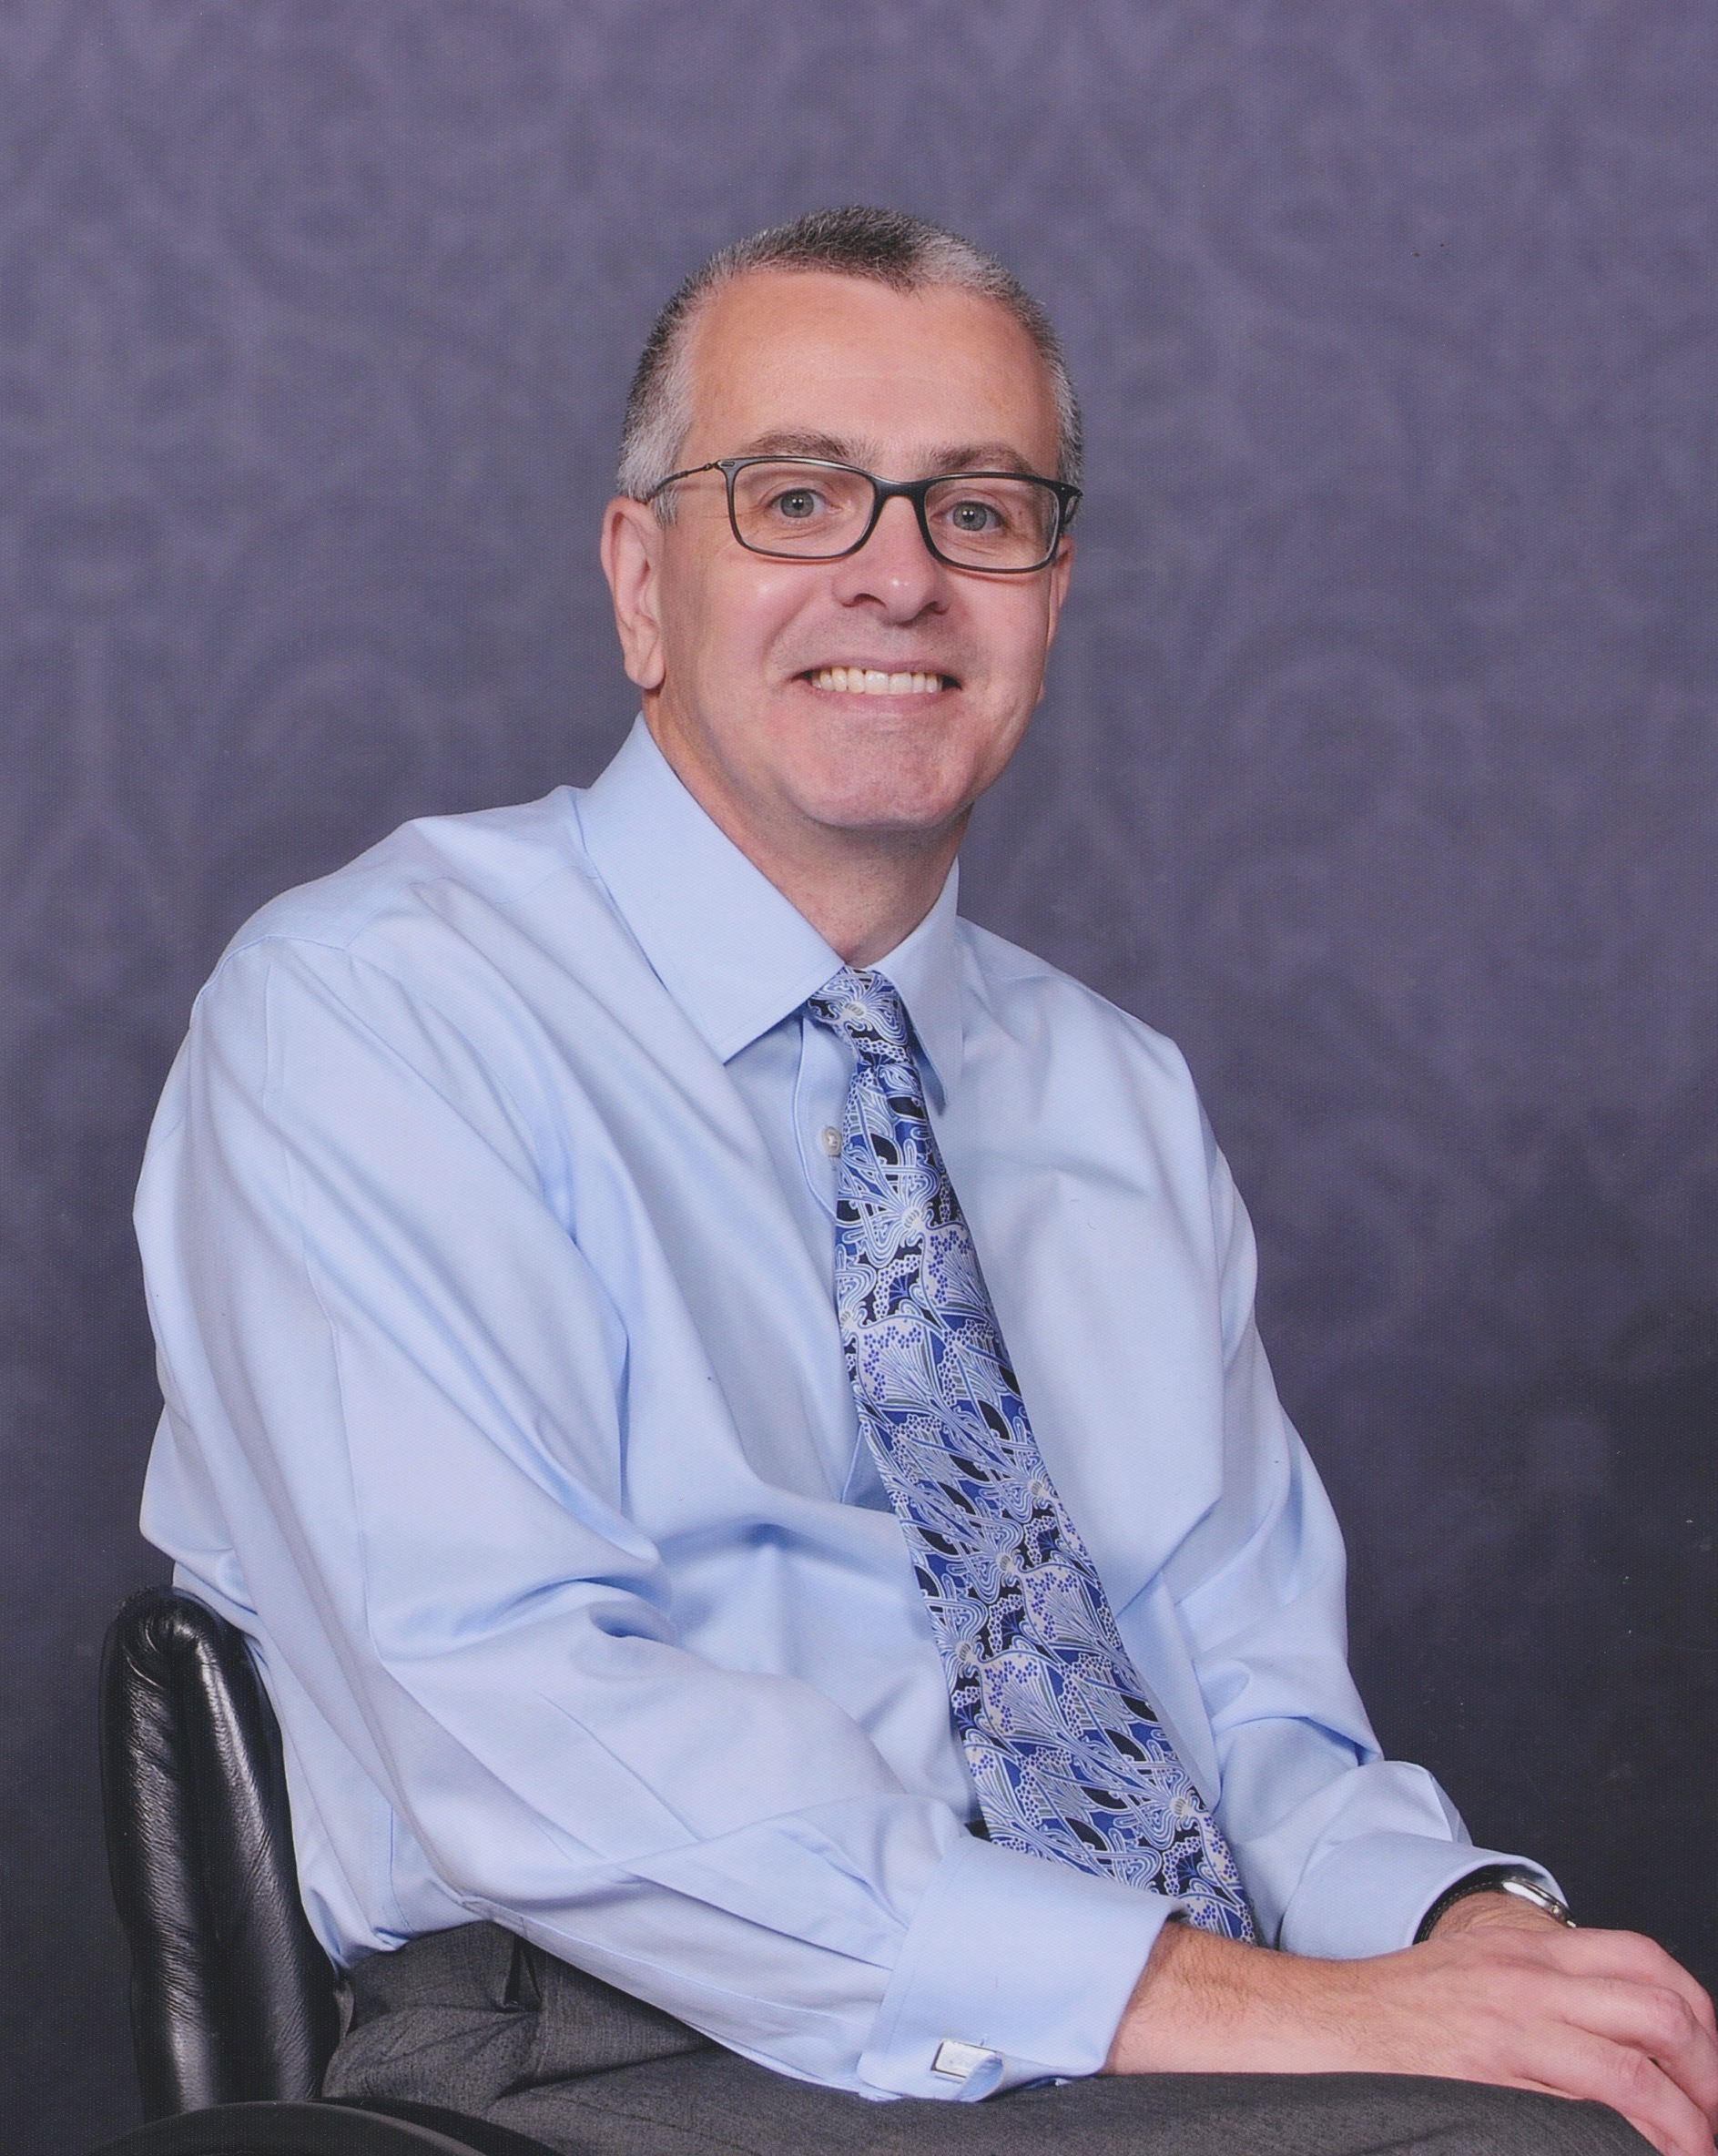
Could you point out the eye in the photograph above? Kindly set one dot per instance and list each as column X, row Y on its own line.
column 972, row 518
column 796, row 504
column 994, row 520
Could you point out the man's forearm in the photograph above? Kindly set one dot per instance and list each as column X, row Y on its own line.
column 1502, row 1993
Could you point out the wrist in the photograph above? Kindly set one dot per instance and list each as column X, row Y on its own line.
column 1495, row 1893
column 1180, row 2010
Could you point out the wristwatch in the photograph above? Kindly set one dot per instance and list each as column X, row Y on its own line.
column 1496, row 1878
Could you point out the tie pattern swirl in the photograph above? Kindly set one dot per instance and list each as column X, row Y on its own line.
column 1071, row 1762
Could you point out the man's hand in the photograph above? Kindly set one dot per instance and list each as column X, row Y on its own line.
column 1501, row 1992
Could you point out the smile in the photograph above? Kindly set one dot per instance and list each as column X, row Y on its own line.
column 872, row 681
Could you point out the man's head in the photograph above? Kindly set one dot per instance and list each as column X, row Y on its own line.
column 887, row 246
column 867, row 338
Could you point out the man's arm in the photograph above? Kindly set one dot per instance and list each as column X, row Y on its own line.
column 1343, row 1851
column 396, row 1451
column 1499, row 1993
column 1345, row 1855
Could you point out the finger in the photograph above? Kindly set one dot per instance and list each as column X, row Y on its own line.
column 1575, row 2063
column 1688, row 2135
column 1621, row 1955
column 1651, row 2135
column 1669, row 2144
column 1627, row 1954
column 1650, row 2019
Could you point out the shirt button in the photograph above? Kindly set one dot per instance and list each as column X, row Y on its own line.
column 829, row 1138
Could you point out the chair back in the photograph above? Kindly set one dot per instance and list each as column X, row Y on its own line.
column 232, row 1998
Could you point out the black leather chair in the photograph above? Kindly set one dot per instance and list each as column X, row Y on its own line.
column 233, row 2012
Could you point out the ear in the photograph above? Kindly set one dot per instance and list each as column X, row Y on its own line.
column 631, row 552
column 1061, row 570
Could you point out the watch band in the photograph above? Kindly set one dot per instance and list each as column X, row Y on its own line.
column 1496, row 1878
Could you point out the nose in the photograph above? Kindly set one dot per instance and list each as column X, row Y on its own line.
column 895, row 571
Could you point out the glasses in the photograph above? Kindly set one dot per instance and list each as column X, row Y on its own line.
column 806, row 509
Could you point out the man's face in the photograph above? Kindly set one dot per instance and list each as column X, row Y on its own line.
column 735, row 651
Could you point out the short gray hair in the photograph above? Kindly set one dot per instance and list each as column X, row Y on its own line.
column 884, row 246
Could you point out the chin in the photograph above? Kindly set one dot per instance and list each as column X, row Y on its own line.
column 904, row 795
column 885, row 805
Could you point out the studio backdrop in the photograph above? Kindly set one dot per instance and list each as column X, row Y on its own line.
column 1377, row 767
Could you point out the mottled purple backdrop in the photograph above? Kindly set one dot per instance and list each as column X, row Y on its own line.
column 1378, row 763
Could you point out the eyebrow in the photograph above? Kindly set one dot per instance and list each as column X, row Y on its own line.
column 835, row 449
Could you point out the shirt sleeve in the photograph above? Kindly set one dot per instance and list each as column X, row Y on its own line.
column 394, row 1449
column 1343, row 1851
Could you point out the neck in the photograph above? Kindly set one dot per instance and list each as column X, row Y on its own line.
column 862, row 890
column 862, row 897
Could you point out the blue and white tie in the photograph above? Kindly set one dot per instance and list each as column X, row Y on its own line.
column 1071, row 1762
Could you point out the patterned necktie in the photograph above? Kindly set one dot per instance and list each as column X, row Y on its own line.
column 1071, row 1763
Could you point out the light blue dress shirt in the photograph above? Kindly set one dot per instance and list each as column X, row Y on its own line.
column 487, row 1222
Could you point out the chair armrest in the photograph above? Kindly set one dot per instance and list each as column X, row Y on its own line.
column 321, row 2129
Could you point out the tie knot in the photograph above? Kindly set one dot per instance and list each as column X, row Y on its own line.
column 865, row 1008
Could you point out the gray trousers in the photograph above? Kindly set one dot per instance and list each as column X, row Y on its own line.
column 480, row 2022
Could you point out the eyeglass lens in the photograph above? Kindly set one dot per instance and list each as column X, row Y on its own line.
column 816, row 511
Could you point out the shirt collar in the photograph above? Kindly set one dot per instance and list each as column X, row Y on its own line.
column 925, row 967
column 735, row 955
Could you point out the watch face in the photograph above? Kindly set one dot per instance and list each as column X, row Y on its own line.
column 1541, row 1896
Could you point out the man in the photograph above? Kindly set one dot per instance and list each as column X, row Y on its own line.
column 727, row 1401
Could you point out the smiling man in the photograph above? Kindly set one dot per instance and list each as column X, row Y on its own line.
column 727, row 1397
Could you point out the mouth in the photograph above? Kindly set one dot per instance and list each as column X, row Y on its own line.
column 873, row 681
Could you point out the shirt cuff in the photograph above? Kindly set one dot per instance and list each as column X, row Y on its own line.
column 1369, row 1893
column 1013, row 1970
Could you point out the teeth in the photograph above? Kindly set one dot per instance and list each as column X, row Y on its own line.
column 872, row 681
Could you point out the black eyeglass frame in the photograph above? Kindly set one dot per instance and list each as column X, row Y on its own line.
column 883, row 491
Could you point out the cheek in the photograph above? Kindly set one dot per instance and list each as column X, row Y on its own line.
column 1015, row 640
column 716, row 610
column 746, row 608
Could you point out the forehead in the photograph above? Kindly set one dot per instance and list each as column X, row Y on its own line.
column 897, row 374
